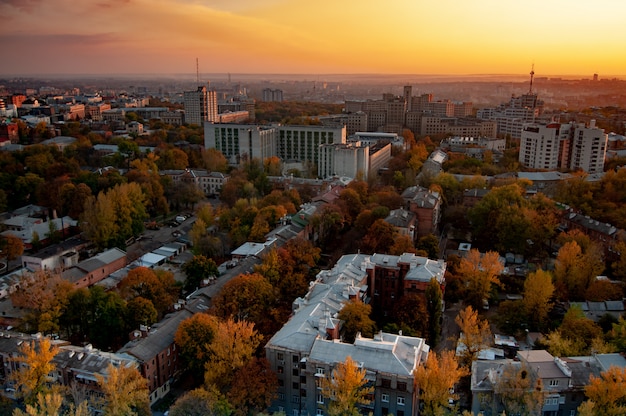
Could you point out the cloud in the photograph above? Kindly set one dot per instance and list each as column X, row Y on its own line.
column 23, row 5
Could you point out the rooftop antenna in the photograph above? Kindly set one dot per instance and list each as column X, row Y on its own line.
column 532, row 74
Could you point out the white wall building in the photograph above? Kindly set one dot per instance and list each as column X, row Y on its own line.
column 200, row 106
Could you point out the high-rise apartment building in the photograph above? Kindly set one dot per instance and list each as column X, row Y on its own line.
column 569, row 146
column 200, row 106
column 272, row 94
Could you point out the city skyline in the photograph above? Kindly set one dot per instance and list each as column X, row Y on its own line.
column 289, row 36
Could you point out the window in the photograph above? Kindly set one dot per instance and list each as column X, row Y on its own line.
column 320, row 398
column 572, row 413
column 319, row 371
column 294, row 412
column 386, row 383
column 384, row 397
column 281, row 396
column 295, row 385
column 554, row 383
column 400, row 413
column 295, row 372
column 280, row 369
column 295, row 399
column 280, row 356
column 319, row 412
column 400, row 401
column 401, row 386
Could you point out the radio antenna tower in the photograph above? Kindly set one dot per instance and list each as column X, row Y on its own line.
column 197, row 72
column 532, row 74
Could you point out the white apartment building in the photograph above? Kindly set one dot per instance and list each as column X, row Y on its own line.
column 563, row 146
column 200, row 106
column 237, row 141
column 297, row 143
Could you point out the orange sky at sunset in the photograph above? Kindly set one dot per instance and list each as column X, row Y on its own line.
column 313, row 37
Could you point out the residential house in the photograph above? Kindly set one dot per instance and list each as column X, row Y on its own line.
column 405, row 222
column 426, row 204
column 91, row 271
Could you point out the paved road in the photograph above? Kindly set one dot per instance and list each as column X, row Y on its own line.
column 449, row 329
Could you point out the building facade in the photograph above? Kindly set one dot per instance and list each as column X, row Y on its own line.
column 200, row 106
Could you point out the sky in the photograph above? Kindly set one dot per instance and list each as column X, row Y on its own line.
column 455, row 37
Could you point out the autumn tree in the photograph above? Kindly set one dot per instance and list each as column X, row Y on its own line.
column 345, row 389
column 193, row 338
column 434, row 306
column 254, row 387
column 538, row 292
column 140, row 311
column 11, row 246
column 379, row 238
column 575, row 270
column 246, row 297
column 158, row 287
column 519, row 391
column 476, row 334
column 328, row 221
column 479, row 273
column 34, row 363
column 410, row 312
column 233, row 345
column 201, row 402
column 606, row 395
column 51, row 404
column 435, row 379
column 580, row 329
column 355, row 316
column 197, row 269
column 214, row 160
column 125, row 391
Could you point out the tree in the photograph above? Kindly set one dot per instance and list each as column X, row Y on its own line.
column 197, row 269
column 11, row 246
column 50, row 404
column 247, row 296
column 356, row 318
column 476, row 334
column 254, row 387
column 201, row 402
column 402, row 244
column 538, row 292
column 125, row 391
column 232, row 347
column 579, row 329
column 346, row 389
column 435, row 379
column 193, row 338
column 155, row 286
column 140, row 311
column 379, row 238
column 519, row 390
column 410, row 310
column 480, row 272
column 34, row 364
column 434, row 305
column 430, row 244
column 575, row 269
column 606, row 395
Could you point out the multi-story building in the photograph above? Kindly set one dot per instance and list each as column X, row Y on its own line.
column 237, row 141
column 426, row 204
column 405, row 222
column 94, row 111
column 303, row 142
column 307, row 347
column 200, row 106
column 352, row 160
column 512, row 116
column 270, row 94
column 466, row 127
column 9, row 132
column 563, row 146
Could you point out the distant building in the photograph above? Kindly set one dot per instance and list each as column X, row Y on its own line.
column 270, row 94
column 200, row 106
column 464, row 127
column 426, row 204
column 405, row 222
column 8, row 132
column 353, row 160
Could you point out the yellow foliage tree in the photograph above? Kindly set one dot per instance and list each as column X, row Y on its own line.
column 476, row 334
column 538, row 292
column 35, row 363
column 125, row 392
column 232, row 347
column 480, row 272
column 346, row 388
column 606, row 394
column 435, row 379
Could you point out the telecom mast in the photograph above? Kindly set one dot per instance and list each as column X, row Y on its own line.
column 532, row 74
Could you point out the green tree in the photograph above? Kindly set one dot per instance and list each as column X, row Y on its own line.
column 355, row 316
column 140, row 311
column 430, row 244
column 346, row 389
column 434, row 306
column 197, row 269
